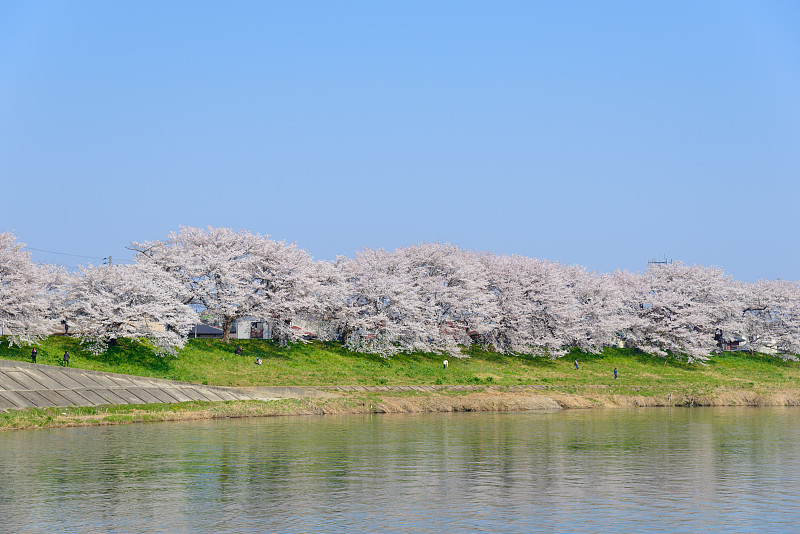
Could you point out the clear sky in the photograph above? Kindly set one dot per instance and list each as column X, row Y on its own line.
column 598, row 133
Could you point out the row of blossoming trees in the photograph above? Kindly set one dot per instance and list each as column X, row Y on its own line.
column 427, row 297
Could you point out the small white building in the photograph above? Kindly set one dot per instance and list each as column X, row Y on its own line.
column 252, row 328
column 258, row 328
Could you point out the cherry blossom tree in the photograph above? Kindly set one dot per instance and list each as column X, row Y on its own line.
column 677, row 308
column 428, row 297
column 770, row 313
column 332, row 317
column 600, row 314
column 27, row 294
column 108, row 302
column 376, row 312
column 215, row 267
column 451, row 298
column 789, row 334
column 288, row 286
column 537, row 306
column 236, row 275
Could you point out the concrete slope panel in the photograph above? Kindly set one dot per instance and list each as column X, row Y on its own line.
column 143, row 394
column 222, row 394
column 6, row 405
column 74, row 397
column 56, row 398
column 17, row 399
column 120, row 382
column 86, row 381
column 178, row 394
column 161, row 395
column 24, row 379
column 194, row 394
column 111, row 397
column 209, row 394
column 98, row 380
column 95, row 398
column 64, row 379
column 35, row 399
column 9, row 384
column 129, row 397
column 42, row 379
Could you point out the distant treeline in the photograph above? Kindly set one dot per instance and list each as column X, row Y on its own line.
column 429, row 297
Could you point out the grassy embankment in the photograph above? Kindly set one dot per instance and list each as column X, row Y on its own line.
column 727, row 379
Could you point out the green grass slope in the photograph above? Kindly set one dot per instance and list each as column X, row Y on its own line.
column 209, row 361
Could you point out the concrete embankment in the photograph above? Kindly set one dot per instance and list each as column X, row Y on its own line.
column 28, row 385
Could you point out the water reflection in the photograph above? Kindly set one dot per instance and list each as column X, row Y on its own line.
column 680, row 470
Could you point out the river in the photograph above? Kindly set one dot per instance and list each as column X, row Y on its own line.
column 642, row 470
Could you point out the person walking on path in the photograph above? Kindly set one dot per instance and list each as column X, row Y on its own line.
column 615, row 373
column 66, row 358
column 34, row 352
column 576, row 365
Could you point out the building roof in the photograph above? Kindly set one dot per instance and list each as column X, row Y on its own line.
column 205, row 330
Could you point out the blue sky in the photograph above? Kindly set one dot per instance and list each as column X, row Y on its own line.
column 597, row 133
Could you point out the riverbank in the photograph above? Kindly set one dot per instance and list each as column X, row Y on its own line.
column 360, row 383
column 210, row 362
column 474, row 399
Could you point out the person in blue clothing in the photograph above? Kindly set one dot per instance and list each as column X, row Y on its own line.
column 576, row 365
column 615, row 373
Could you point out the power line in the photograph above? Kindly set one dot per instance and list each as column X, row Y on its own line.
column 78, row 255
column 65, row 253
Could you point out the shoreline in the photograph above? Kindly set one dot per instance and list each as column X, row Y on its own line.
column 479, row 399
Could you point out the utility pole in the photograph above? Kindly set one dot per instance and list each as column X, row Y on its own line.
column 665, row 261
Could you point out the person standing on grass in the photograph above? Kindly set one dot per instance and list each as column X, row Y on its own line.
column 34, row 352
column 66, row 358
column 576, row 365
column 615, row 373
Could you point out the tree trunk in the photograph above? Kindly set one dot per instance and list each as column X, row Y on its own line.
column 345, row 334
column 226, row 330
column 288, row 332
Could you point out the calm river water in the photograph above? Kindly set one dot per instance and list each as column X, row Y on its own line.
column 645, row 470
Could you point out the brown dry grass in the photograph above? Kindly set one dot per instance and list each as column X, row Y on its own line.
column 489, row 399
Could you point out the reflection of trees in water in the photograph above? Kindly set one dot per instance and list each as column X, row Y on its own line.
column 281, row 471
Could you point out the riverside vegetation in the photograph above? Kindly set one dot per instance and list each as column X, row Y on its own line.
column 497, row 381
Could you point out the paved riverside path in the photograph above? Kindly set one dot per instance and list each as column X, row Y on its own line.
column 26, row 385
